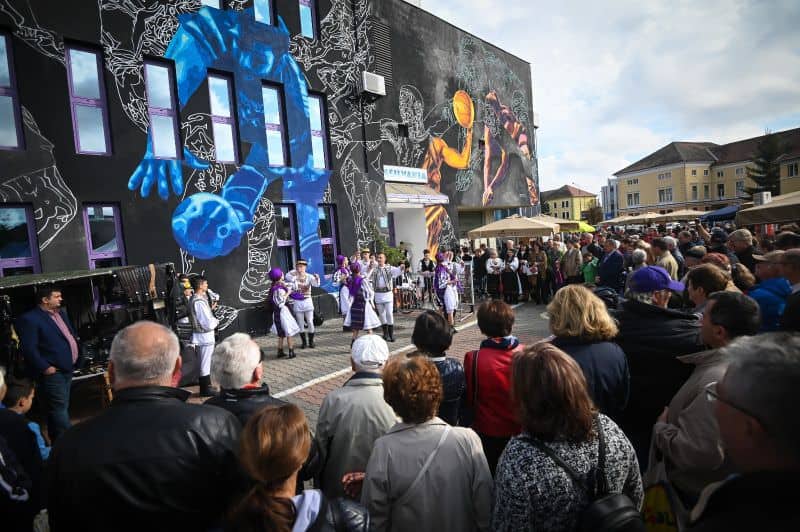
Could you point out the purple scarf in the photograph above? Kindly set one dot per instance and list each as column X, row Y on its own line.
column 354, row 283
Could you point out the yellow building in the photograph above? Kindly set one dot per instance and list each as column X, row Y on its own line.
column 568, row 202
column 699, row 175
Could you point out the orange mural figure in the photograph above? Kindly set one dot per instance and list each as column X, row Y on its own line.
column 440, row 153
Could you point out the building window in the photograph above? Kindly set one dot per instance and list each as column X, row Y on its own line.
column 564, row 215
column 720, row 173
column 792, row 170
column 694, row 192
column 634, row 181
column 88, row 101
column 308, row 18
column 665, row 195
column 223, row 125
column 272, row 96
column 19, row 252
column 633, row 199
column 328, row 236
column 286, row 235
column 694, row 172
column 565, row 204
column 739, row 189
column 211, row 3
column 706, row 194
column 10, row 119
column 162, row 108
column 740, row 171
column 319, row 130
column 263, row 11
column 705, row 172
column 103, row 236
column 667, row 175
column 720, row 190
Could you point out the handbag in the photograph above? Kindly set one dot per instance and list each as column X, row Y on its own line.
column 318, row 318
column 662, row 509
column 402, row 499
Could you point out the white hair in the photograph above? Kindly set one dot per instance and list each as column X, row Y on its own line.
column 639, row 256
column 133, row 365
column 671, row 242
column 234, row 360
column 613, row 242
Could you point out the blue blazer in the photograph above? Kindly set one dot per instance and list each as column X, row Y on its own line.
column 42, row 343
column 610, row 270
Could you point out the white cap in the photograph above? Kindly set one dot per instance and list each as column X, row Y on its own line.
column 370, row 352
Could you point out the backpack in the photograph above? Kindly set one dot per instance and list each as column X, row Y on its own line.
column 607, row 512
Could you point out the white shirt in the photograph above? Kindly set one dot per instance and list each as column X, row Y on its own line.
column 205, row 319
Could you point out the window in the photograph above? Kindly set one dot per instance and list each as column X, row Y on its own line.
column 286, row 235
column 10, row 119
column 694, row 192
column 705, row 172
column 161, row 106
column 665, row 195
column 720, row 173
column 739, row 189
column 740, row 170
column 565, row 204
column 633, row 181
column 272, row 96
column 564, row 215
column 720, row 190
column 263, row 11
column 319, row 133
column 308, row 19
column 210, row 3
column 222, row 124
column 19, row 252
column 328, row 236
column 633, row 199
column 706, row 193
column 792, row 169
column 88, row 101
column 694, row 172
column 668, row 175
column 103, row 236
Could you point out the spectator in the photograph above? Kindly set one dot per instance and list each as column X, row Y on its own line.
column 693, row 256
column 540, row 282
column 717, row 243
column 425, row 475
column 571, row 263
column 354, row 416
column 19, row 398
column 704, row 281
column 686, row 434
column 433, row 336
column 584, row 330
column 790, row 267
column 150, row 458
column 772, row 291
column 589, row 269
column 686, row 241
column 664, row 258
column 532, row 491
column 488, row 375
column 652, row 335
column 741, row 243
column 672, row 246
column 612, row 266
column 755, row 405
column 787, row 240
column 741, row 278
column 274, row 445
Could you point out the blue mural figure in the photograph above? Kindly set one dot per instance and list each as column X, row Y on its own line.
column 210, row 225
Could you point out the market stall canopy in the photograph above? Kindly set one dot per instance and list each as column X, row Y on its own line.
column 555, row 223
column 583, row 227
column 641, row 218
column 719, row 215
column 682, row 215
column 513, row 226
column 783, row 208
column 413, row 194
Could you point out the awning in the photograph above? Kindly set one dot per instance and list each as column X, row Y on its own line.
column 413, row 194
column 33, row 279
column 783, row 208
column 513, row 226
column 725, row 213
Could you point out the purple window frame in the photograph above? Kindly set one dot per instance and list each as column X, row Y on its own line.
column 293, row 227
column 11, row 91
column 94, row 256
column 282, row 127
column 24, row 262
column 333, row 240
column 161, row 111
column 323, row 107
column 88, row 102
column 224, row 119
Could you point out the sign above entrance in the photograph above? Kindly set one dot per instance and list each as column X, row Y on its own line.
column 405, row 174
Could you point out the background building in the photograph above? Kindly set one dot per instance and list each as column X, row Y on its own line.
column 231, row 136
column 608, row 199
column 569, row 203
column 699, row 175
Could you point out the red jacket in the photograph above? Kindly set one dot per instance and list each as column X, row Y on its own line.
column 494, row 413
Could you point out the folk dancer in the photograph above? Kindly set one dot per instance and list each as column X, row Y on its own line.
column 426, row 269
column 203, row 324
column 382, row 280
column 283, row 323
column 445, row 283
column 365, row 261
column 494, row 267
column 361, row 315
column 511, row 285
column 303, row 306
column 340, row 278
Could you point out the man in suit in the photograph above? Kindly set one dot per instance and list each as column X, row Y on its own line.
column 790, row 266
column 610, row 270
column 50, row 348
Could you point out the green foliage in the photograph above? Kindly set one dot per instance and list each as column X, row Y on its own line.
column 766, row 167
column 381, row 245
column 594, row 215
column 545, row 207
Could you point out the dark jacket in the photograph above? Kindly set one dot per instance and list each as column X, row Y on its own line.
column 606, row 370
column 754, row 501
column 746, row 258
column 245, row 402
column 341, row 515
column 454, row 385
column 42, row 343
column 21, row 442
column 149, row 462
column 790, row 321
column 652, row 337
column 610, row 270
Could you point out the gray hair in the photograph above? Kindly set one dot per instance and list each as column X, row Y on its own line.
column 643, row 297
column 638, row 256
column 742, row 235
column 671, row 242
column 234, row 360
column 762, row 376
column 612, row 242
column 144, row 356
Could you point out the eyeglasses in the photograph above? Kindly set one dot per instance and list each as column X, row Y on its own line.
column 713, row 395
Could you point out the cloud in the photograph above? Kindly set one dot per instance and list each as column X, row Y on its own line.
column 615, row 81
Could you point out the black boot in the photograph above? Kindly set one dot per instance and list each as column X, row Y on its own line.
column 206, row 390
column 390, row 328
column 345, row 328
column 311, row 340
column 303, row 339
column 281, row 353
column 291, row 353
column 385, row 332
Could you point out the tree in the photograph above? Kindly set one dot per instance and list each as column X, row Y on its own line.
column 766, row 167
column 545, row 206
column 594, row 215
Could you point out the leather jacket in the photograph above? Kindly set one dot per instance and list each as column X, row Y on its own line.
column 149, row 462
column 341, row 515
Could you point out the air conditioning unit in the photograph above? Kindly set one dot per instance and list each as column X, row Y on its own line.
column 762, row 198
column 373, row 84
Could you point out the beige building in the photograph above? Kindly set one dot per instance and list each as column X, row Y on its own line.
column 568, row 202
column 699, row 175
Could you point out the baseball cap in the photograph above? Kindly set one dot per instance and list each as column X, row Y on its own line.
column 718, row 234
column 772, row 256
column 651, row 279
column 370, row 352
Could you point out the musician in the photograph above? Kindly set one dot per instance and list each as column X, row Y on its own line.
column 203, row 324
column 340, row 278
column 445, row 282
column 361, row 315
column 382, row 280
column 301, row 282
column 283, row 323
column 426, row 269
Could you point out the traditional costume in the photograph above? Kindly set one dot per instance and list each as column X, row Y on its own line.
column 494, row 266
column 283, row 323
column 203, row 324
column 426, row 270
column 382, row 280
column 340, row 278
column 511, row 285
column 302, row 304
column 361, row 315
column 445, row 281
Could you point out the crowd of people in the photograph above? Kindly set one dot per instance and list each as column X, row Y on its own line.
column 670, row 370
